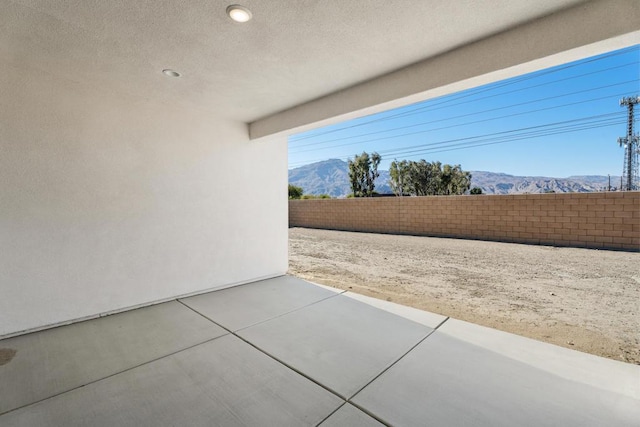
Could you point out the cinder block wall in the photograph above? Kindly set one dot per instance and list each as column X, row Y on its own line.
column 592, row 220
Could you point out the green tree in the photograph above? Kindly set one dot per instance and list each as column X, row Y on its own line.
column 430, row 178
column 399, row 178
column 295, row 192
column 454, row 180
column 363, row 171
column 476, row 190
column 424, row 178
column 446, row 180
column 463, row 182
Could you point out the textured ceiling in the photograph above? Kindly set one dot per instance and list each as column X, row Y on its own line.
column 291, row 52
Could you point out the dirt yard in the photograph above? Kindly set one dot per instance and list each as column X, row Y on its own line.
column 584, row 299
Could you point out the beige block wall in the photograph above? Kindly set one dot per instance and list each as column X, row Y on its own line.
column 592, row 220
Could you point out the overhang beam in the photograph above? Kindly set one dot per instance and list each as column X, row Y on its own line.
column 585, row 30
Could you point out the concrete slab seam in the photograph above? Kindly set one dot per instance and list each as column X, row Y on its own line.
column 386, row 369
column 332, row 412
column 288, row 312
column 260, row 322
column 114, row 374
column 347, row 403
column 375, row 417
column 338, row 291
column 272, row 356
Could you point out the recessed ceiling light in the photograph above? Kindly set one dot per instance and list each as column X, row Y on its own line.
column 239, row 13
column 171, row 73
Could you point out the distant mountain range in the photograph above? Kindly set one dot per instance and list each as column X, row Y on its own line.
column 500, row 183
column 332, row 177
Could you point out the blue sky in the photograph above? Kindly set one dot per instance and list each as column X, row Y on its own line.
column 557, row 122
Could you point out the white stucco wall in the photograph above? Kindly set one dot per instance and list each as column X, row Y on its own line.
column 109, row 202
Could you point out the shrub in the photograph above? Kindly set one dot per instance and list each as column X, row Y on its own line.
column 295, row 192
column 313, row 196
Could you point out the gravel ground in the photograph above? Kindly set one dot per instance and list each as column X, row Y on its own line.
column 584, row 299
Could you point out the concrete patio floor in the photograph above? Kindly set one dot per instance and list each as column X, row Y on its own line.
column 285, row 352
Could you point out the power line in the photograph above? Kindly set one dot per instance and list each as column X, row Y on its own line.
column 511, row 131
column 520, row 138
column 491, row 141
column 294, row 150
column 430, row 107
column 533, row 131
column 604, row 120
column 471, row 92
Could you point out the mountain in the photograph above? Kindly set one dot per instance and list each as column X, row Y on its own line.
column 500, row 183
column 332, row 177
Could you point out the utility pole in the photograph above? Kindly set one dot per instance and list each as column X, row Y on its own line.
column 630, row 141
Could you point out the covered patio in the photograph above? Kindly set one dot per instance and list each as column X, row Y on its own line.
column 143, row 162
column 285, row 352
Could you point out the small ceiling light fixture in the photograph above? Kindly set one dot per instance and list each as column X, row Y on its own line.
column 239, row 13
column 170, row 73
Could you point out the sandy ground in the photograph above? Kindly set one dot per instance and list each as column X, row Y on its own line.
column 584, row 299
